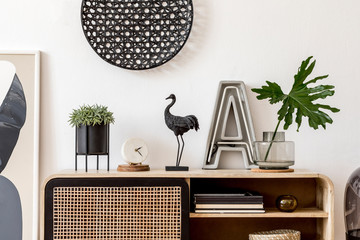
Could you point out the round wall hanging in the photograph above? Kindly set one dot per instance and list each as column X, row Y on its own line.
column 137, row 34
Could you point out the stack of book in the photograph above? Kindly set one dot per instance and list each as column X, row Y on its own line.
column 229, row 203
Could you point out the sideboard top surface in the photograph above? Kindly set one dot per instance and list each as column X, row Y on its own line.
column 192, row 173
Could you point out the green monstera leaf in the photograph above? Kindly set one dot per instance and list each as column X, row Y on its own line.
column 301, row 98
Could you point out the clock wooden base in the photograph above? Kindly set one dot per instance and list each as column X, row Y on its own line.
column 133, row 168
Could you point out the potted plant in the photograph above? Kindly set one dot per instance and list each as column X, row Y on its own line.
column 92, row 129
column 301, row 99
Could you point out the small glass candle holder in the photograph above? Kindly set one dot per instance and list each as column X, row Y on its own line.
column 286, row 203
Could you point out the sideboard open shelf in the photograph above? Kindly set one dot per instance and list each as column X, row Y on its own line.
column 314, row 217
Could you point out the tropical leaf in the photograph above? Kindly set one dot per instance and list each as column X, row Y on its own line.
column 301, row 100
column 12, row 118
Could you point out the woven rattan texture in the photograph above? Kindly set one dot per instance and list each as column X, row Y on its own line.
column 281, row 234
column 117, row 213
column 137, row 34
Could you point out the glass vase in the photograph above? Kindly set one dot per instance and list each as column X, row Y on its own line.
column 352, row 206
column 276, row 154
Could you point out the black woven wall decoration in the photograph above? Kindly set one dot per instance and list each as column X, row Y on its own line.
column 137, row 34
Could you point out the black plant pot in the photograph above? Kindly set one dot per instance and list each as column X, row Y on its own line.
column 92, row 140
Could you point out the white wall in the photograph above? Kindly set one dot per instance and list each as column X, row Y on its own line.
column 252, row 41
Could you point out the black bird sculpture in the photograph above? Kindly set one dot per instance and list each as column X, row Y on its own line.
column 179, row 125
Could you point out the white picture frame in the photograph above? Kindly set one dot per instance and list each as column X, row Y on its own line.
column 23, row 166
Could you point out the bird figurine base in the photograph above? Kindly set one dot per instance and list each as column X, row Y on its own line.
column 176, row 168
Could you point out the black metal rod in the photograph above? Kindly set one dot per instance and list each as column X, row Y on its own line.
column 108, row 146
column 86, row 148
column 76, row 140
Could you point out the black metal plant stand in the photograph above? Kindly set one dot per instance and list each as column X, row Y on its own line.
column 87, row 153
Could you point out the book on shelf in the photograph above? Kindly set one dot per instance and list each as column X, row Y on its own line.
column 229, row 195
column 228, row 198
column 229, row 210
column 229, row 206
column 227, row 201
column 245, row 194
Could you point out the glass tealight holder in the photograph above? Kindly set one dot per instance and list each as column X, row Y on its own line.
column 281, row 154
column 286, row 203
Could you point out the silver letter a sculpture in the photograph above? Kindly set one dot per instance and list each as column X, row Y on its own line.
column 231, row 106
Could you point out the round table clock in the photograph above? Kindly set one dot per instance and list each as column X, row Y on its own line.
column 134, row 152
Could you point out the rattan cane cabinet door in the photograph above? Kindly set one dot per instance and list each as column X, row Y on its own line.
column 116, row 208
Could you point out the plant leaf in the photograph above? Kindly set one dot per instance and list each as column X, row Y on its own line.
column 272, row 91
column 300, row 98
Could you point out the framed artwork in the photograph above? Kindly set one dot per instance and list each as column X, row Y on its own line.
column 19, row 144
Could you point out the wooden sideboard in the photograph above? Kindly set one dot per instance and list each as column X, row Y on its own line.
column 314, row 217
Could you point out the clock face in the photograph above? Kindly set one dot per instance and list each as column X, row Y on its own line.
column 134, row 151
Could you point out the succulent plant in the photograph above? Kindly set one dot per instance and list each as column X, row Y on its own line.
column 91, row 115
